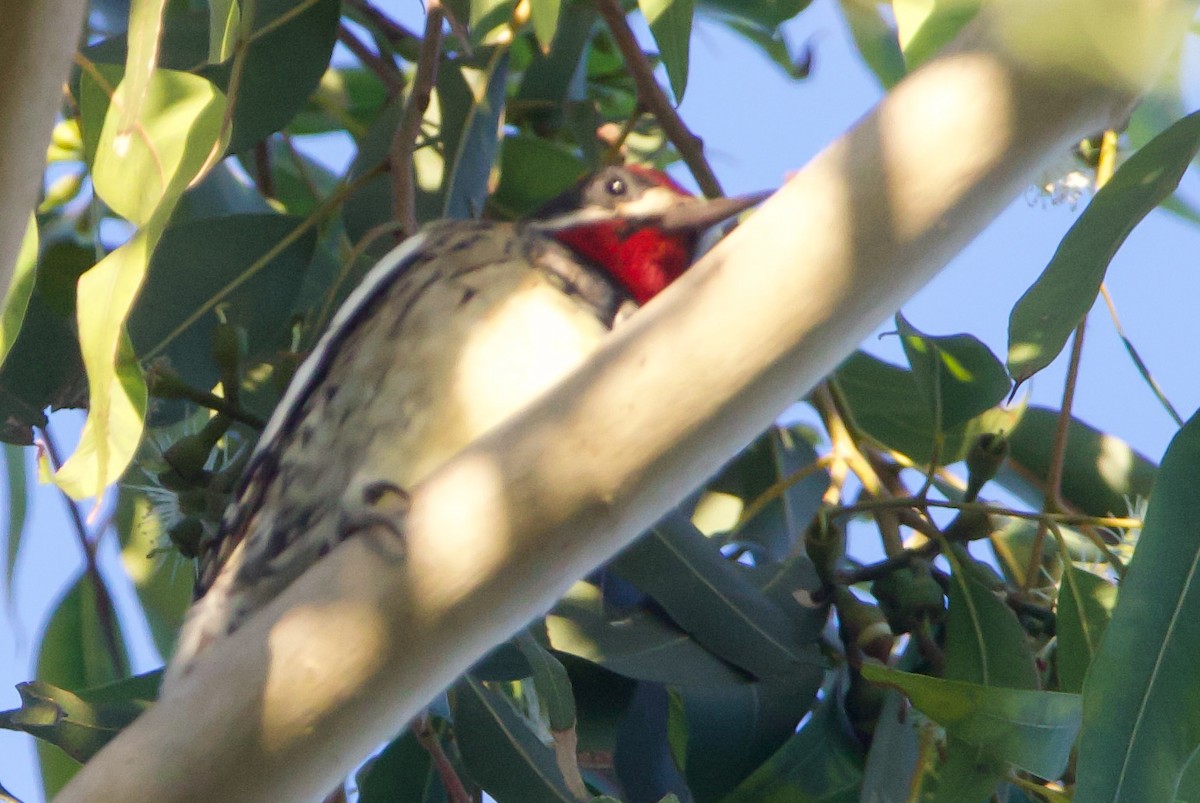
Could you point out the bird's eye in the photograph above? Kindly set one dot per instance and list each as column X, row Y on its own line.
column 615, row 186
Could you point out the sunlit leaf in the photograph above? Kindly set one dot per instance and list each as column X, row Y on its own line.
column 876, row 41
column 1034, row 730
column 545, row 20
column 887, row 405
column 175, row 135
column 957, row 374
column 145, row 33
column 671, row 24
column 20, row 288
column 1102, row 474
column 925, row 26
column 1049, row 311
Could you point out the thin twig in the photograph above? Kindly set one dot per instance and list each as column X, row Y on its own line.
column 423, row 729
column 103, row 601
column 1058, row 455
column 400, row 155
column 652, row 97
column 1058, row 451
column 211, row 401
column 1143, row 369
column 262, row 168
column 385, row 69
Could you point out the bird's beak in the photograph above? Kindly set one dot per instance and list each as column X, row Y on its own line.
column 697, row 214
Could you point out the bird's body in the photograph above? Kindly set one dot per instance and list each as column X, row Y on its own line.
column 450, row 334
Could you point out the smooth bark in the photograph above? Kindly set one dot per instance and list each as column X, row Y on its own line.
column 37, row 40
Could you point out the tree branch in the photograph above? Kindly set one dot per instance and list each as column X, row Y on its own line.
column 401, row 153
column 284, row 707
column 38, row 41
column 651, row 95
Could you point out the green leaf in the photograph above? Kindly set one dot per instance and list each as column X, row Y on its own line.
column 925, row 26
column 469, row 164
column 197, row 261
column 985, row 644
column 403, row 771
column 1013, row 546
column 18, row 503
column 44, row 368
column 876, row 41
column 671, row 24
column 1049, row 311
column 73, row 654
column 957, row 374
column 347, row 98
column 452, row 165
column 116, row 388
column 775, row 47
column 551, row 682
column 1085, row 604
column 704, row 594
column 287, row 52
column 16, row 299
column 1139, row 727
column 774, row 459
column 1033, row 730
column 224, row 22
column 177, row 135
column 820, row 763
column 80, row 724
column 486, row 16
column 636, row 644
column 163, row 585
column 501, row 752
column 179, row 126
column 961, row 772
column 763, row 14
column 1102, row 474
column 145, row 33
column 552, row 84
column 532, row 171
column 728, row 732
column 545, row 20
column 886, row 405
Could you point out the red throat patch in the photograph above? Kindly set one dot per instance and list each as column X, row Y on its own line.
column 643, row 260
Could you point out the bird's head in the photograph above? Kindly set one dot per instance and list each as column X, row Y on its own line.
column 635, row 223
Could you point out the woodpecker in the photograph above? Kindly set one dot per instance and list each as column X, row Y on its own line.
column 449, row 334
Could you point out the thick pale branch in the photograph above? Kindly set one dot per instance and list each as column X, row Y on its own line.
column 37, row 40
column 287, row 705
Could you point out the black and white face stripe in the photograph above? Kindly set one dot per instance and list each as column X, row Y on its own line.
column 308, row 375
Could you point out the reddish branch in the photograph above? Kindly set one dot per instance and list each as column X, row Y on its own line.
column 652, row 97
column 400, row 155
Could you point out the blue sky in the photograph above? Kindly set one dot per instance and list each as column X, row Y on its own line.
column 758, row 126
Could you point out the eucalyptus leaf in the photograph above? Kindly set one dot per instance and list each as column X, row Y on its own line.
column 1049, row 311
column 1137, row 735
